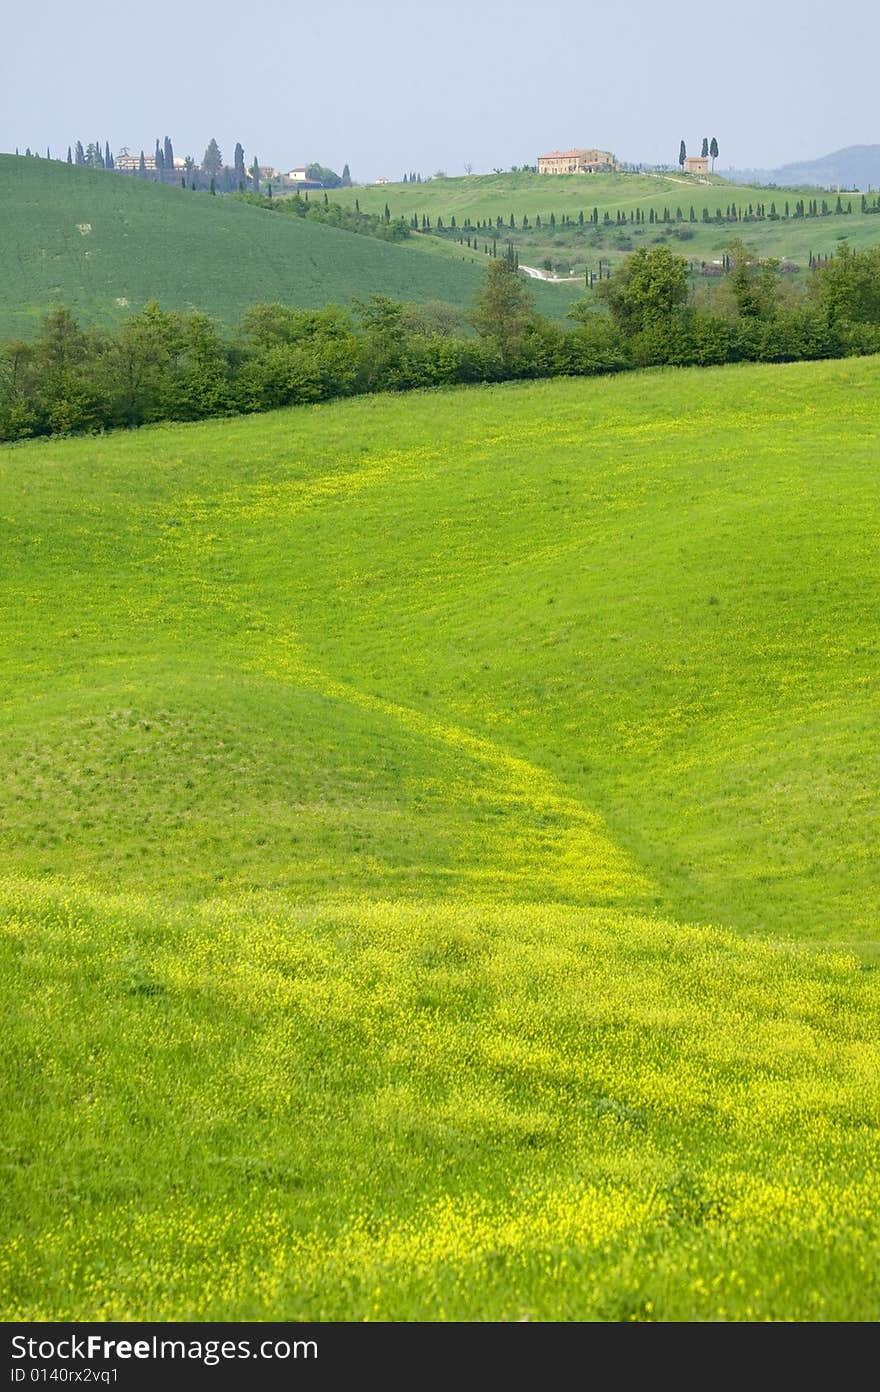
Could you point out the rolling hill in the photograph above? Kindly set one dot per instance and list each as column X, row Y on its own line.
column 576, row 248
column 438, row 878
column 105, row 244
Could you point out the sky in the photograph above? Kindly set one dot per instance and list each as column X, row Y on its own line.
column 390, row 87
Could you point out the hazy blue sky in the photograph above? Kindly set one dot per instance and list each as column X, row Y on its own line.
column 394, row 85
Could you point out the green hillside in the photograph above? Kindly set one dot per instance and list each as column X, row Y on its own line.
column 490, row 196
column 438, row 875
column 104, row 245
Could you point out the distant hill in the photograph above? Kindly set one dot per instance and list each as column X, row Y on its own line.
column 856, row 166
column 106, row 244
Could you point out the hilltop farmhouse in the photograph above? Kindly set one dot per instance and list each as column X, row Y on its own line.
column 576, row 161
column 696, row 164
column 130, row 164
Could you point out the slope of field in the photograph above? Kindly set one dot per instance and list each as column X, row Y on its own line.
column 375, row 773
column 106, row 244
column 481, row 197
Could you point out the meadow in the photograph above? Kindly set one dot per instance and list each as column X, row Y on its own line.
column 437, row 871
column 104, row 245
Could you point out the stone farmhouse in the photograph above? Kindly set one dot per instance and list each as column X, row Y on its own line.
column 576, row 161
column 696, row 164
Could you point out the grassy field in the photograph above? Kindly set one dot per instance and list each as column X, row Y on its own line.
column 481, row 197
column 438, row 863
column 104, row 245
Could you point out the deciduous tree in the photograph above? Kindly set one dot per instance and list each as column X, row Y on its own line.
column 504, row 309
column 647, row 290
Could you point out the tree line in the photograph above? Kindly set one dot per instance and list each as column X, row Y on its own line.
column 383, row 226
column 165, row 365
column 664, row 215
column 210, row 174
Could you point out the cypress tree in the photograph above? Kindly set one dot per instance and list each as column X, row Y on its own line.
column 713, row 150
column 108, row 158
column 255, row 174
column 69, row 155
column 213, row 160
column 168, row 151
column 682, row 154
column 705, row 149
column 142, row 167
column 79, row 153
